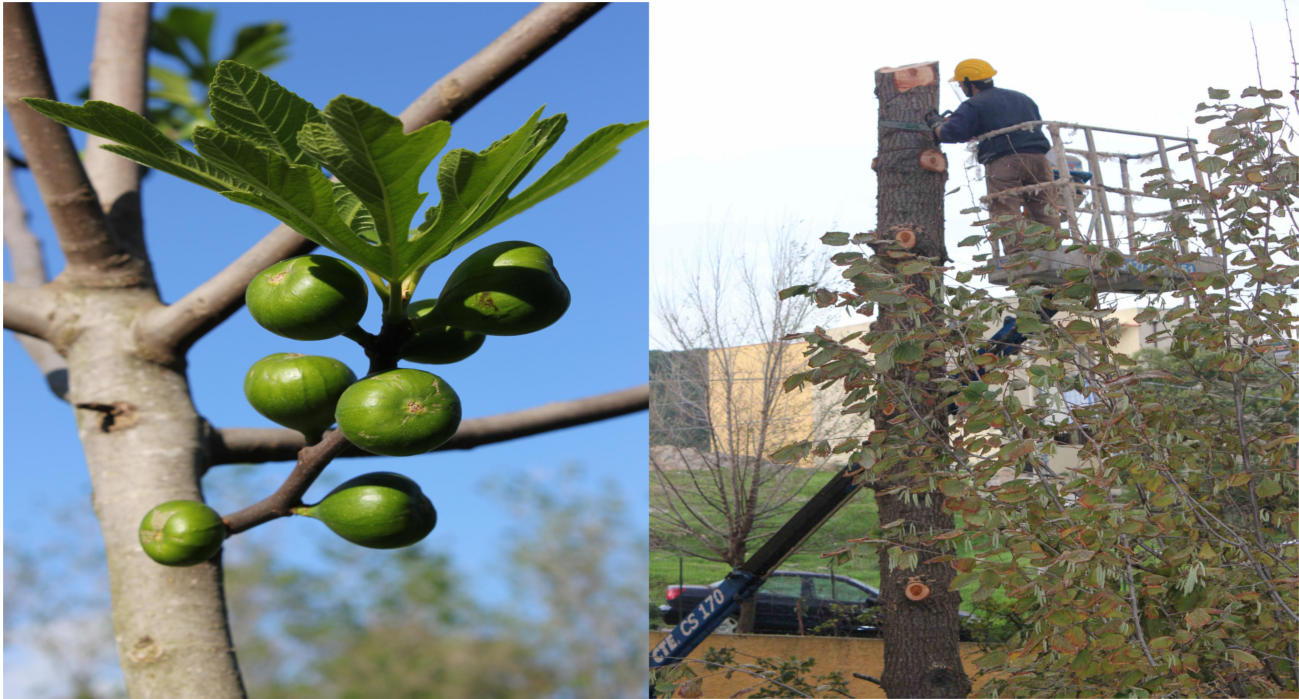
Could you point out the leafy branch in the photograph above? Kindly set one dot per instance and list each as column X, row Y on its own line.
column 270, row 149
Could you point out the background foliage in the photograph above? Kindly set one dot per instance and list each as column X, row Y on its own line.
column 347, row 622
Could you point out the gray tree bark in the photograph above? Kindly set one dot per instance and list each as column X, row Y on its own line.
column 921, row 637
column 137, row 423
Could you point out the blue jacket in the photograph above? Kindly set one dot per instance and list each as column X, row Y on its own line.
column 992, row 109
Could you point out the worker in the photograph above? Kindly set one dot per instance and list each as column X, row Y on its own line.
column 1015, row 159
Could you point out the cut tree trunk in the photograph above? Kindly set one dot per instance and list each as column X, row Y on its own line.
column 921, row 636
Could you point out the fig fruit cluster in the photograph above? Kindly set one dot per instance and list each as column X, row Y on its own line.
column 509, row 288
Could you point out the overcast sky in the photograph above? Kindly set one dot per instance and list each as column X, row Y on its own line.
column 763, row 115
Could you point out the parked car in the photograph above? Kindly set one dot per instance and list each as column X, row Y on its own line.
column 792, row 602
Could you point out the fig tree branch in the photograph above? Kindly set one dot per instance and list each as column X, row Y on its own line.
column 311, row 461
column 509, row 53
column 171, row 330
column 94, row 256
column 28, row 310
column 260, row 445
column 27, row 261
column 119, row 74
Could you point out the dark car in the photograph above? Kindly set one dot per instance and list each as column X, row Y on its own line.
column 792, row 602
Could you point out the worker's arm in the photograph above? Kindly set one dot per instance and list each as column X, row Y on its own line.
column 962, row 126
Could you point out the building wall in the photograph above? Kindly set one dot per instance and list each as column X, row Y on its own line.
column 738, row 388
column 810, row 413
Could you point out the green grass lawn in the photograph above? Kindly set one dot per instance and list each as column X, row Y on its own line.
column 854, row 520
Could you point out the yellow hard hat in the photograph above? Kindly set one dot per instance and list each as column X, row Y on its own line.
column 973, row 69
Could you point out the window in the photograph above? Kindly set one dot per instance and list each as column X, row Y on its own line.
column 839, row 590
column 786, row 585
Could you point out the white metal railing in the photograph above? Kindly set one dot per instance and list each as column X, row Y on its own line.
column 1091, row 209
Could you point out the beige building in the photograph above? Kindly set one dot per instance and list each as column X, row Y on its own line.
column 736, row 389
column 749, row 410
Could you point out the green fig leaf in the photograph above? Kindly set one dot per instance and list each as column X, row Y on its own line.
column 137, row 139
column 265, row 144
column 172, row 87
column 475, row 185
column 249, row 104
column 366, row 149
column 298, row 195
column 260, row 46
column 585, row 158
column 185, row 23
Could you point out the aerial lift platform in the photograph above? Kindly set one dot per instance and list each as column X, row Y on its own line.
column 1103, row 210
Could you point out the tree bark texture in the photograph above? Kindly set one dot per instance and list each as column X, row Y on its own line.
column 921, row 649
column 144, row 445
column 137, row 423
column 95, row 257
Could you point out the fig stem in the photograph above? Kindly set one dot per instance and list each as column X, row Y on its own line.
column 394, row 306
column 380, row 286
column 358, row 335
column 312, row 461
column 384, row 350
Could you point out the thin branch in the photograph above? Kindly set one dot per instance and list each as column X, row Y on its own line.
column 169, row 331
column 255, row 445
column 1133, row 607
column 27, row 261
column 119, row 74
column 94, row 256
column 511, row 52
column 25, row 256
column 28, row 310
column 311, row 461
column 868, row 678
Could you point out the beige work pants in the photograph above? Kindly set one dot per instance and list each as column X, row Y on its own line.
column 1018, row 170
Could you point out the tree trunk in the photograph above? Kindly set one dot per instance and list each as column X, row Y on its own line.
column 144, row 446
column 921, row 649
column 748, row 615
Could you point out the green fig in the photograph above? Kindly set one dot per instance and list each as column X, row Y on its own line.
column 435, row 342
column 508, row 288
column 182, row 533
column 312, row 297
column 378, row 510
column 298, row 391
column 399, row 412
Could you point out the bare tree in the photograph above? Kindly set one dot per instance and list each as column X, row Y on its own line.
column 718, row 409
column 110, row 347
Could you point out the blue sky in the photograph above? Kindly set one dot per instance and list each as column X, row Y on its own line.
column 387, row 54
